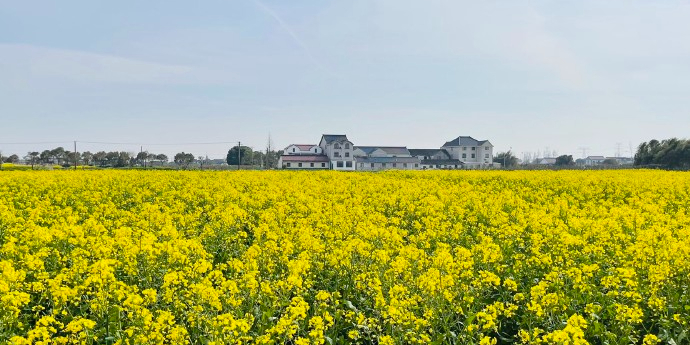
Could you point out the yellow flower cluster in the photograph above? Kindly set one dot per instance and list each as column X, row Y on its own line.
column 418, row 257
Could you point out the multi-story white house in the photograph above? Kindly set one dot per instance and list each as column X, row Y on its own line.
column 471, row 152
column 339, row 150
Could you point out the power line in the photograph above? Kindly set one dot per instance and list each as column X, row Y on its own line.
column 37, row 143
column 156, row 144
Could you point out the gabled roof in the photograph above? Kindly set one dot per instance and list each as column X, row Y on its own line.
column 304, row 158
column 387, row 160
column 465, row 141
column 329, row 138
column 391, row 150
column 428, row 152
column 366, row 149
column 303, row 147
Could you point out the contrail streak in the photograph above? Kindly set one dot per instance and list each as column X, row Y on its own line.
column 294, row 36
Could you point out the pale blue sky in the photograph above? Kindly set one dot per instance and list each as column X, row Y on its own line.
column 526, row 75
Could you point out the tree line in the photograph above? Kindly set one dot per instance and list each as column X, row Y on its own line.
column 668, row 153
column 119, row 159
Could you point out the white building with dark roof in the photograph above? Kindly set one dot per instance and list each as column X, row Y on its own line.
column 340, row 151
column 306, row 162
column 374, row 158
column 471, row 152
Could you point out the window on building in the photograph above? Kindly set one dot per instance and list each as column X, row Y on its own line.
column 372, row 165
column 474, row 148
column 404, row 165
column 293, row 149
column 395, row 165
column 299, row 165
column 316, row 150
column 486, row 148
column 383, row 165
column 336, row 146
column 486, row 155
column 464, row 155
column 348, row 164
column 323, row 165
column 336, row 154
column 464, row 148
column 347, row 145
column 288, row 165
column 347, row 154
column 339, row 164
column 311, row 165
column 473, row 155
column 416, row 165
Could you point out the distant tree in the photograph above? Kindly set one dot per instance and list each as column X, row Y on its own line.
column 669, row 153
column 610, row 162
column 565, row 160
column 100, row 158
column 12, row 159
column 183, row 159
column 87, row 158
column 58, row 154
column 162, row 158
column 245, row 154
column 72, row 158
column 46, row 157
column 32, row 158
column 142, row 158
column 123, row 159
column 507, row 159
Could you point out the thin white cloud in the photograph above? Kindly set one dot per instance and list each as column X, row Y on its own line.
column 29, row 62
column 285, row 27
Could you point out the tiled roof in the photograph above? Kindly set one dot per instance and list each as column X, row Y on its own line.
column 305, row 158
column 465, row 141
column 334, row 137
column 387, row 160
column 391, row 150
column 428, row 152
column 366, row 149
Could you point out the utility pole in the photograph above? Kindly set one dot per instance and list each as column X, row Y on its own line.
column 76, row 159
column 618, row 149
column 239, row 157
column 584, row 151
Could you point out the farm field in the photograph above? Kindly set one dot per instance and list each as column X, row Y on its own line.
column 422, row 257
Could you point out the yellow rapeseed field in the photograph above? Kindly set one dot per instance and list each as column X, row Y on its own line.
column 126, row 257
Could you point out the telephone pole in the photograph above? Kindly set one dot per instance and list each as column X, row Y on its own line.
column 76, row 159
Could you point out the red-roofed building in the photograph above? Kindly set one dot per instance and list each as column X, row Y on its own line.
column 304, row 162
column 303, row 149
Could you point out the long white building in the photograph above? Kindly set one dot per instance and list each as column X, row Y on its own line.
column 337, row 152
